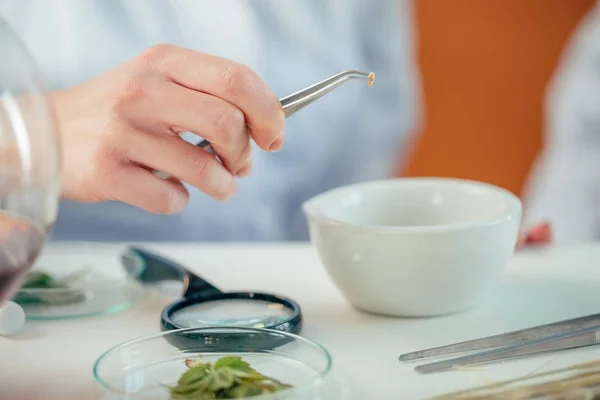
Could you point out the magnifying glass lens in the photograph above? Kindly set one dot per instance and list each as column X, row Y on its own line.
column 232, row 312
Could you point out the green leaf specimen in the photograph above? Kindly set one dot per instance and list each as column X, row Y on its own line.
column 228, row 378
column 41, row 280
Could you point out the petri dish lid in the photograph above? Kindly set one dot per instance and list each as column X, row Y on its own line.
column 80, row 279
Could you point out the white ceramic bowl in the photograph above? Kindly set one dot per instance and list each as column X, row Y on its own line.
column 414, row 247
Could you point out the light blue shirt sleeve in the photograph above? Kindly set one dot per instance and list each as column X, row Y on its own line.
column 353, row 134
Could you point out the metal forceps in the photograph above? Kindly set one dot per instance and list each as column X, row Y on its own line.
column 562, row 335
column 297, row 101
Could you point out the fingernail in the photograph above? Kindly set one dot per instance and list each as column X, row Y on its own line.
column 222, row 182
column 277, row 144
column 177, row 204
column 244, row 172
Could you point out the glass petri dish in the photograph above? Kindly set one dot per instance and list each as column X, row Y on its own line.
column 94, row 279
column 141, row 368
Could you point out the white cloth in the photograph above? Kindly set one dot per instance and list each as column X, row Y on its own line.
column 352, row 134
column 565, row 183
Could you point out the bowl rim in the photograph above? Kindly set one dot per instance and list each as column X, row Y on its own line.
column 90, row 248
column 314, row 215
column 140, row 339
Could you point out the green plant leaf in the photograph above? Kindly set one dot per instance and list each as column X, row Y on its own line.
column 192, row 375
column 228, row 378
column 40, row 280
column 233, row 362
column 43, row 280
column 243, row 391
column 222, row 379
column 248, row 376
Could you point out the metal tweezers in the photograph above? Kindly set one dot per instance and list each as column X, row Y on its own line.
column 563, row 335
column 297, row 101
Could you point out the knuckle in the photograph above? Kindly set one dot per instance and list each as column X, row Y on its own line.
column 106, row 146
column 197, row 162
column 244, row 156
column 277, row 113
column 238, row 79
column 165, row 201
column 157, row 53
column 276, row 118
column 130, row 93
column 204, row 169
column 133, row 96
column 104, row 166
column 111, row 150
column 229, row 123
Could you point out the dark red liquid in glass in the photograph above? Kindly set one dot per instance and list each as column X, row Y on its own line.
column 20, row 245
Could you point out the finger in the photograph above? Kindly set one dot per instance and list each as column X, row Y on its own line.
column 541, row 233
column 180, row 159
column 232, row 82
column 214, row 119
column 521, row 242
column 141, row 188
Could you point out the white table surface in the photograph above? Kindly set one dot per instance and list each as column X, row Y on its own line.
column 42, row 362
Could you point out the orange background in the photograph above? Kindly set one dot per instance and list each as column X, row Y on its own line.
column 485, row 65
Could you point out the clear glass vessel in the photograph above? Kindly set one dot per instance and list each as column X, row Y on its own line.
column 141, row 368
column 30, row 170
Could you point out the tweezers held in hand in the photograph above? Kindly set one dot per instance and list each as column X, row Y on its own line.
column 523, row 337
column 297, row 101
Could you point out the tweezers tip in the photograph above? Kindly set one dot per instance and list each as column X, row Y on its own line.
column 371, row 79
column 415, row 355
column 421, row 370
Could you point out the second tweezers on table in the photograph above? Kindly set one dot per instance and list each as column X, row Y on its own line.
column 562, row 335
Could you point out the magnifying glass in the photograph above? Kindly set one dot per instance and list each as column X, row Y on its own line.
column 203, row 305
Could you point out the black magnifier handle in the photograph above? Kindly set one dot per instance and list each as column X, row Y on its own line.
column 196, row 286
column 160, row 269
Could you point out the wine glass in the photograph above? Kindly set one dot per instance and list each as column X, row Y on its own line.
column 29, row 163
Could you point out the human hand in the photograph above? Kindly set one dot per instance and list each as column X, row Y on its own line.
column 539, row 235
column 118, row 128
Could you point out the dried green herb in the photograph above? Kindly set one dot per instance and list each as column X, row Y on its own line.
column 43, row 280
column 228, row 378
